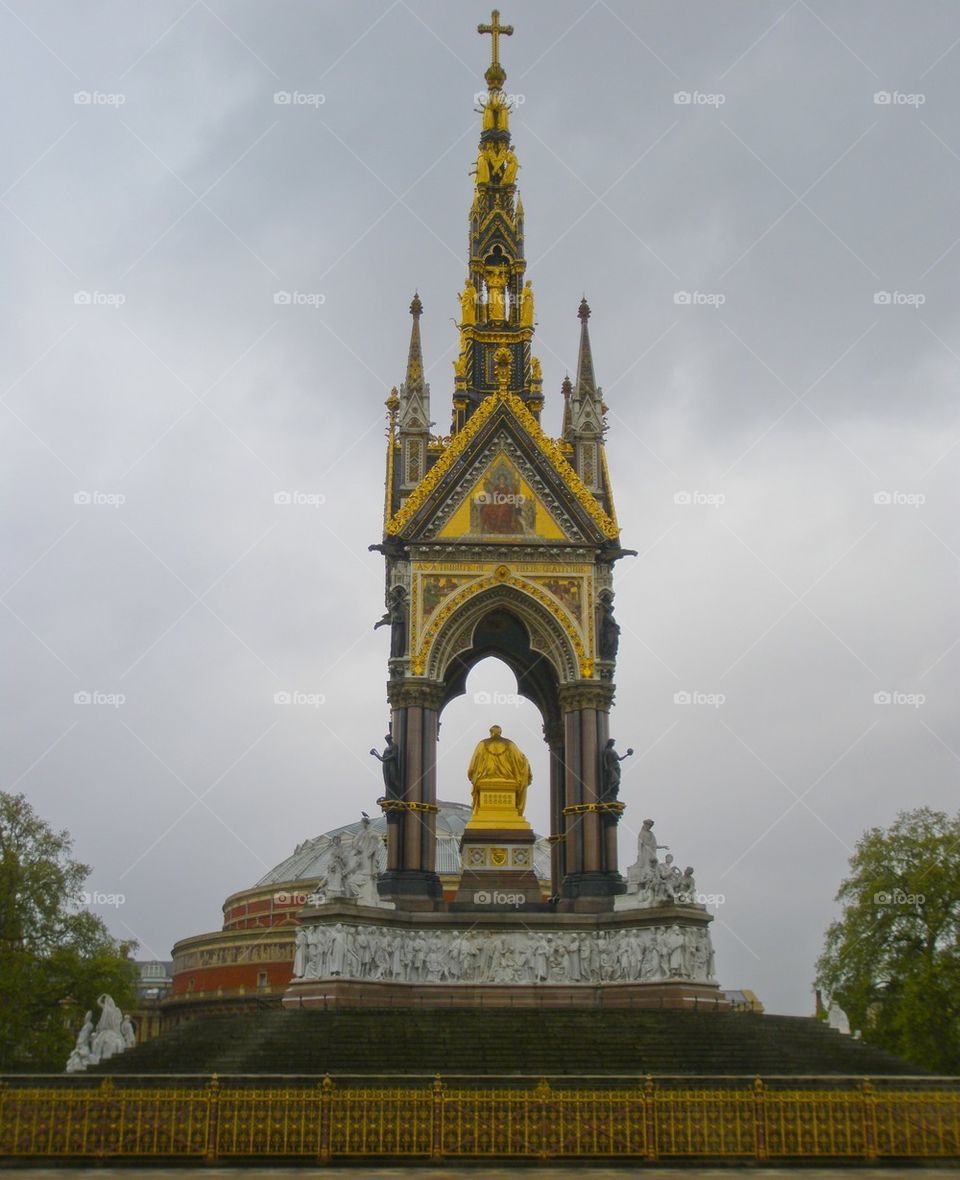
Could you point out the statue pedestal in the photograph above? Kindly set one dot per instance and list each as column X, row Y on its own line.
column 496, row 806
column 497, row 866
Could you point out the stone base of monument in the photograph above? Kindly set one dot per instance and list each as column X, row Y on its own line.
column 341, row 993
column 497, row 867
column 351, row 955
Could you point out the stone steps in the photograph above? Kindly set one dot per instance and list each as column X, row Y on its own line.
column 472, row 1042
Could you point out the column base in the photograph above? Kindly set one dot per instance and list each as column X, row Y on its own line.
column 411, row 889
column 595, row 885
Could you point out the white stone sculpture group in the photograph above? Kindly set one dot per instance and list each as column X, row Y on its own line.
column 641, row 955
column 652, row 882
column 114, row 1034
column 351, row 869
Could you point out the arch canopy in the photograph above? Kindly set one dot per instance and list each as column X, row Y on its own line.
column 500, row 632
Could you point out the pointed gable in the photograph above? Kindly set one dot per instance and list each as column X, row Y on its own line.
column 502, row 442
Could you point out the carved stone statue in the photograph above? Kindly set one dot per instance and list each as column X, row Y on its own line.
column 396, row 619
column 390, row 761
column 108, row 1039
column 468, row 304
column 687, row 887
column 608, row 639
column 82, row 1055
column 647, row 848
column 338, row 870
column 300, row 953
column 367, row 844
column 610, row 772
column 526, row 305
column 667, row 880
column 128, row 1032
column 498, row 765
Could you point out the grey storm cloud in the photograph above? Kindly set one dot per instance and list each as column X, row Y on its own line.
column 205, row 305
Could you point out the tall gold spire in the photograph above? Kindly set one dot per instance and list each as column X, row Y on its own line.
column 496, row 302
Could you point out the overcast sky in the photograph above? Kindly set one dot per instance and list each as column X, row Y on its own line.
column 149, row 373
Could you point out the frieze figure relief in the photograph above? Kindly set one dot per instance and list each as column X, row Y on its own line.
column 366, row 951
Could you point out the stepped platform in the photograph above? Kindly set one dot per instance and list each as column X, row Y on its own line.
column 504, row 1043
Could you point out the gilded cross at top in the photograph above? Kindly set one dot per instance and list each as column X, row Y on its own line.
column 495, row 29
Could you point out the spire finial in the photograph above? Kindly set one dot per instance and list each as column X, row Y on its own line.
column 496, row 75
column 415, row 353
column 584, row 312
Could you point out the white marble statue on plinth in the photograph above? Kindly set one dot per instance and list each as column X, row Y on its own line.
column 114, row 1034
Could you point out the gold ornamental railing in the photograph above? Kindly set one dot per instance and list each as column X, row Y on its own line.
column 326, row 1119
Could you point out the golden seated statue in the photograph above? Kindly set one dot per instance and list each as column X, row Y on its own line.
column 499, row 774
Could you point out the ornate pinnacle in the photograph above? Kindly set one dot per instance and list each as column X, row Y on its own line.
column 584, row 312
column 496, row 75
column 416, row 307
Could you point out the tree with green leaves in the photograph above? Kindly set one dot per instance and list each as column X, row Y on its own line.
column 55, row 956
column 892, row 960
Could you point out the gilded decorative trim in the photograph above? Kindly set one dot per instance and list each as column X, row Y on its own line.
column 584, row 808
column 551, row 449
column 387, row 805
column 500, row 577
column 608, row 486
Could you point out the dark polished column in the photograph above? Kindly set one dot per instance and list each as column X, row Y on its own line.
column 410, row 878
column 591, row 878
column 558, row 855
